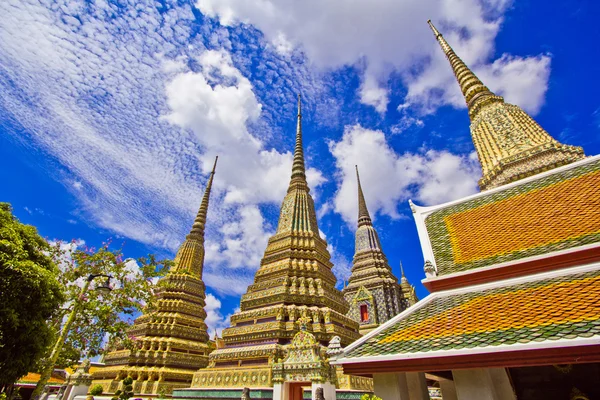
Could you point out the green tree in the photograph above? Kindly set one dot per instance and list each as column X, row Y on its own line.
column 369, row 396
column 126, row 392
column 30, row 294
column 90, row 319
column 96, row 390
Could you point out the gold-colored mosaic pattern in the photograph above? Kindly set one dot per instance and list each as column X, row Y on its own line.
column 294, row 282
column 557, row 212
column 372, row 274
column 564, row 307
column 172, row 340
column 509, row 143
column 505, row 230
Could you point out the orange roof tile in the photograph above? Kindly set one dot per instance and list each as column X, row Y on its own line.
column 555, row 212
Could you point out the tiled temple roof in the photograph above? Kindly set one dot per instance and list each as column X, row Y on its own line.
column 540, row 309
column 537, row 216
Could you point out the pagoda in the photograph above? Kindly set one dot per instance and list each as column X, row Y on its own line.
column 172, row 339
column 373, row 291
column 513, row 274
column 509, row 143
column 293, row 288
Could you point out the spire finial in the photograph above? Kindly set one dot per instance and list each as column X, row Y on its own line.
column 472, row 88
column 401, row 268
column 198, row 227
column 435, row 31
column 298, row 169
column 363, row 213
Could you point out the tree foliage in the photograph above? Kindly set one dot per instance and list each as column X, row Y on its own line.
column 96, row 390
column 126, row 392
column 30, row 294
column 102, row 316
column 369, row 396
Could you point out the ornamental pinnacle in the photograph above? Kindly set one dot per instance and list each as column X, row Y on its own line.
column 509, row 143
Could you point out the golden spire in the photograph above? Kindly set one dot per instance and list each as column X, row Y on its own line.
column 298, row 169
column 472, row 88
column 510, row 144
column 363, row 213
column 197, row 231
column 403, row 278
column 297, row 211
column 190, row 256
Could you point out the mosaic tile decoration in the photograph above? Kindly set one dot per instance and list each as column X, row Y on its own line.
column 557, row 212
column 564, row 307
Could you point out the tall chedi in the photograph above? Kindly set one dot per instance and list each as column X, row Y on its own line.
column 509, row 143
column 172, row 339
column 293, row 285
column 373, row 291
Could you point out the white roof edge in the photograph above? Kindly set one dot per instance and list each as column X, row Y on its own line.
column 424, row 240
column 426, row 210
column 473, row 288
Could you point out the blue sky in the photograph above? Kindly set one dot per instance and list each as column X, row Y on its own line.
column 112, row 112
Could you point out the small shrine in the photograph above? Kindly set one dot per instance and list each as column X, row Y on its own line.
column 306, row 364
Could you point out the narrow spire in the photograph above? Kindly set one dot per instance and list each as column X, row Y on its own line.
column 298, row 169
column 403, row 278
column 198, row 227
column 472, row 88
column 363, row 213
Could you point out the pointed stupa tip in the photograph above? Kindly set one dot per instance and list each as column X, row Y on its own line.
column 200, row 221
column 435, row 31
column 403, row 278
column 363, row 213
column 214, row 165
column 471, row 87
column 298, row 169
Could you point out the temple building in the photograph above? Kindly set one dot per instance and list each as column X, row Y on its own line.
column 276, row 344
column 172, row 339
column 509, row 143
column 513, row 271
column 373, row 291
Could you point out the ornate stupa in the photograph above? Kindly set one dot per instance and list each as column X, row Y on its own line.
column 172, row 339
column 408, row 291
column 293, row 285
column 509, row 143
column 373, row 291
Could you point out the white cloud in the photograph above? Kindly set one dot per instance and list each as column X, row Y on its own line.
column 522, row 81
column 215, row 320
column 388, row 177
column 371, row 93
column 342, row 268
column 388, row 35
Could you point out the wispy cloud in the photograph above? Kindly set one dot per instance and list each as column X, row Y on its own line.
column 135, row 105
